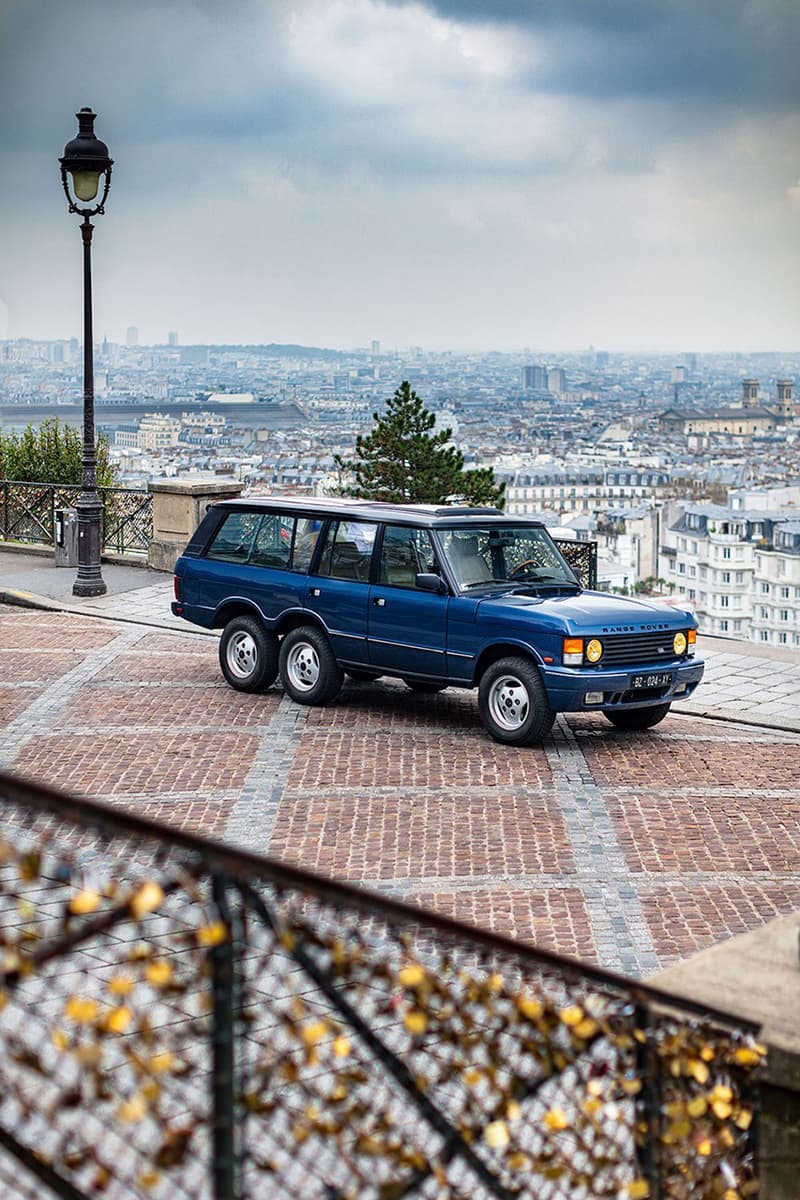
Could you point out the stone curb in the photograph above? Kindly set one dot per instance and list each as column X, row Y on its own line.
column 20, row 599
column 784, row 725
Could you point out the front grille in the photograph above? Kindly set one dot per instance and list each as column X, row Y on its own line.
column 631, row 649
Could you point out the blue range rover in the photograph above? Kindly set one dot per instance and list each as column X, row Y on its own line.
column 315, row 590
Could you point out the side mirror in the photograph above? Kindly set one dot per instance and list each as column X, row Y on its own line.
column 430, row 583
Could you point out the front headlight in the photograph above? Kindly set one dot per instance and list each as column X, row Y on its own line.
column 594, row 650
column 679, row 644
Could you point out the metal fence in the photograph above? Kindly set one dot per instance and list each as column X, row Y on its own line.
column 181, row 1020
column 582, row 557
column 28, row 514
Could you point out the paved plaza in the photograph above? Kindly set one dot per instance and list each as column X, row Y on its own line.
column 631, row 850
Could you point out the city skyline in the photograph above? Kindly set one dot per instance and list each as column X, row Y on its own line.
column 453, row 174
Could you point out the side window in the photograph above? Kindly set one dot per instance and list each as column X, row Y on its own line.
column 348, row 550
column 305, row 539
column 273, row 542
column 405, row 553
column 233, row 540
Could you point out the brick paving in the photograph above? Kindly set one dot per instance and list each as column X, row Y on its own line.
column 348, row 833
column 555, row 919
column 131, row 763
column 632, row 850
column 136, row 705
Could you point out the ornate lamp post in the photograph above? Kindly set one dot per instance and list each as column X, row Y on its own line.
column 86, row 160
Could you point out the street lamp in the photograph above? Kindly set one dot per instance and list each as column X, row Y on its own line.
column 86, row 160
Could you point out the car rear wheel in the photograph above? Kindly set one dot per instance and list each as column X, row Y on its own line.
column 422, row 688
column 309, row 671
column 513, row 703
column 638, row 718
column 248, row 655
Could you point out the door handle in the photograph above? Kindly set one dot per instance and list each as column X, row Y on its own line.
column 380, row 602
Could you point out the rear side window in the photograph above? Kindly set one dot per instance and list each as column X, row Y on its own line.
column 348, row 550
column 261, row 539
column 234, row 539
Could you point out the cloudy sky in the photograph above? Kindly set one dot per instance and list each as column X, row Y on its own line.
column 463, row 174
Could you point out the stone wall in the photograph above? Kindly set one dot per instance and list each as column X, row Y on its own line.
column 179, row 506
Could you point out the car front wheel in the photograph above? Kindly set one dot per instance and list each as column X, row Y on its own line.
column 638, row 718
column 248, row 655
column 309, row 671
column 513, row 703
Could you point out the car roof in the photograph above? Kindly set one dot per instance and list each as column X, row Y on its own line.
column 430, row 515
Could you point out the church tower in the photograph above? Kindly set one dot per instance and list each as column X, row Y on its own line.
column 786, row 399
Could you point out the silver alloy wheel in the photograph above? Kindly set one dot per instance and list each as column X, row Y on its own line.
column 242, row 654
column 302, row 666
column 509, row 702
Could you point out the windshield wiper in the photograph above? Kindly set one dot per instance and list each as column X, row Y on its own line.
column 544, row 581
column 521, row 585
column 551, row 581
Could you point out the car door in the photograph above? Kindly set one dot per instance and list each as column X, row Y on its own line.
column 407, row 626
column 338, row 589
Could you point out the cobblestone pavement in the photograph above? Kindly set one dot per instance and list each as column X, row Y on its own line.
column 632, row 850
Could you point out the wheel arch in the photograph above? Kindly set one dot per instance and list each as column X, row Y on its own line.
column 237, row 607
column 296, row 618
column 491, row 654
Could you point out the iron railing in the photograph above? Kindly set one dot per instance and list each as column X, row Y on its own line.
column 183, row 1020
column 28, row 514
column 582, row 557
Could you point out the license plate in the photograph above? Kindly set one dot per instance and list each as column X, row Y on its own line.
column 658, row 679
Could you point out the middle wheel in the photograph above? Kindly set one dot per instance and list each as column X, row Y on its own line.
column 309, row 671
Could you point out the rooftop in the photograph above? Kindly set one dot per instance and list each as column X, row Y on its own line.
column 630, row 850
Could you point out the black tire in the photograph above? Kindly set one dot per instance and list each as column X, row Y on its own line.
column 309, row 671
column 248, row 655
column 361, row 676
column 513, row 703
column 638, row 718
column 424, row 689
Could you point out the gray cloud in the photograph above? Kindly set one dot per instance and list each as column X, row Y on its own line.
column 276, row 164
column 734, row 52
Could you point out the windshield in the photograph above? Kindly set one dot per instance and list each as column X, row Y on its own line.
column 520, row 554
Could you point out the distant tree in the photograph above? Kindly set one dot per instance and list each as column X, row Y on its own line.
column 646, row 587
column 50, row 453
column 403, row 461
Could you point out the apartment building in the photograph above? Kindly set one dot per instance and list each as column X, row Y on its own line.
column 739, row 570
column 776, row 579
column 155, row 431
column 582, row 490
column 627, row 545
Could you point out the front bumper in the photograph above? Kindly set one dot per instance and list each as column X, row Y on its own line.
column 567, row 686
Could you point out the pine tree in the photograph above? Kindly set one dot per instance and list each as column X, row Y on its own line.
column 403, row 461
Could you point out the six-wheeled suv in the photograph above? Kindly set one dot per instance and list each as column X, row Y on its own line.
column 440, row 597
